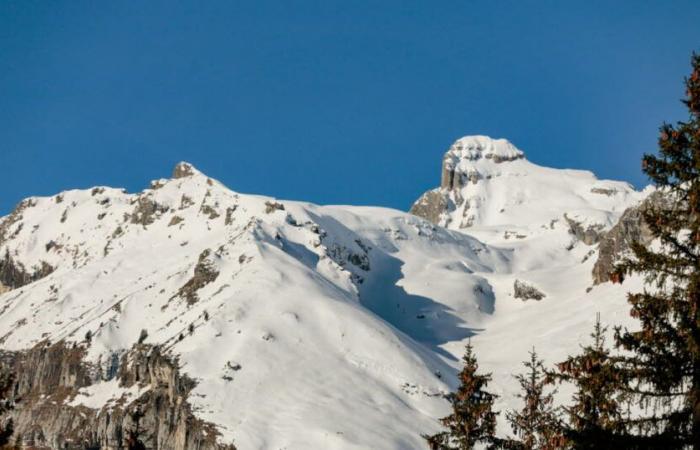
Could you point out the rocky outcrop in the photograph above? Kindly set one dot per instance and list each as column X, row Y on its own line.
column 183, row 170
column 13, row 274
column 462, row 165
column 147, row 210
column 204, row 273
column 271, row 207
column 589, row 235
column 431, row 205
column 525, row 291
column 616, row 242
column 15, row 217
column 48, row 377
column 473, row 148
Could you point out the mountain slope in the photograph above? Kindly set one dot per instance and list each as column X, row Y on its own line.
column 306, row 326
column 279, row 311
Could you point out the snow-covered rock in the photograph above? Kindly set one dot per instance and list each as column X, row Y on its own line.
column 307, row 326
column 489, row 182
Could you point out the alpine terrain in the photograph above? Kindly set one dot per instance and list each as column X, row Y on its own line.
column 190, row 316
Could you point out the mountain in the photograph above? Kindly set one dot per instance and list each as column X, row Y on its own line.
column 192, row 316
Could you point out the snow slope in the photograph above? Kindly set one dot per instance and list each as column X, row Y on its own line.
column 305, row 326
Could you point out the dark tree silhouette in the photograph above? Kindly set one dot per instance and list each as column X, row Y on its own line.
column 537, row 424
column 597, row 417
column 662, row 373
column 472, row 420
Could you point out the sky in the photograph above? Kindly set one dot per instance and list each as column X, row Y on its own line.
column 333, row 102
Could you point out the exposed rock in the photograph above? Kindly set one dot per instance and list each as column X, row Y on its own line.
column 13, row 273
column 146, row 211
column 157, row 184
column 604, row 191
column 209, row 211
column 175, row 220
column 589, row 235
column 229, row 214
column 204, row 273
column 183, row 170
column 273, row 206
column 52, row 245
column 185, row 202
column 458, row 172
column 473, row 148
column 431, row 205
column 350, row 259
column 616, row 242
column 14, row 217
column 526, row 291
column 47, row 377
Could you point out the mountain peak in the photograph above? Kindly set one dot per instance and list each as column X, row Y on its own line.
column 467, row 152
column 477, row 147
column 184, row 169
column 489, row 182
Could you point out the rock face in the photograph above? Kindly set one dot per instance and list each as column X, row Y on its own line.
column 456, row 174
column 431, row 205
column 525, row 291
column 46, row 376
column 616, row 242
column 588, row 234
column 460, row 167
column 147, row 210
column 14, row 275
column 183, row 170
column 204, row 273
column 488, row 182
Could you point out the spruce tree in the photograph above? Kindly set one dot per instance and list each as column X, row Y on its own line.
column 597, row 417
column 536, row 425
column 663, row 372
column 472, row 420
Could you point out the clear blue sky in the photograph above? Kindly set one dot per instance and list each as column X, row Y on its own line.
column 329, row 101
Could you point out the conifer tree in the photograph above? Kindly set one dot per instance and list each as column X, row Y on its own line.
column 663, row 373
column 472, row 420
column 536, row 425
column 597, row 417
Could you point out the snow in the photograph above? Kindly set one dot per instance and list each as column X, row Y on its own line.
column 515, row 192
column 105, row 393
column 344, row 324
column 469, row 148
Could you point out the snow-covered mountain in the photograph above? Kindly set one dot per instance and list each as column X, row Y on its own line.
column 303, row 326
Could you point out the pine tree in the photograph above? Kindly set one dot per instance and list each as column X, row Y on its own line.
column 537, row 424
column 597, row 417
column 663, row 373
column 472, row 420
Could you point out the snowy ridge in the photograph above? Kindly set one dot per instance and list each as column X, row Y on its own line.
column 308, row 326
column 294, row 329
